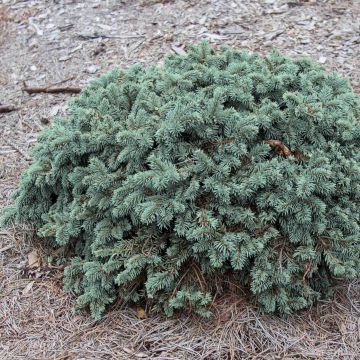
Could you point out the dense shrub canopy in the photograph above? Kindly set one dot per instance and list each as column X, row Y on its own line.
column 217, row 170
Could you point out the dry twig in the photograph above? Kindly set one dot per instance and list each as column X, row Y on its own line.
column 52, row 90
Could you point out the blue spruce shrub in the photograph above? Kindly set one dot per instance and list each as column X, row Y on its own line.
column 165, row 184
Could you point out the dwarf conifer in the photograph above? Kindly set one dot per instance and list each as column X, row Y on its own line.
column 167, row 183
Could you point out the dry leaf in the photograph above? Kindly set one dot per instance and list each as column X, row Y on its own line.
column 127, row 350
column 33, row 259
column 141, row 313
column 141, row 355
column 280, row 148
column 28, row 287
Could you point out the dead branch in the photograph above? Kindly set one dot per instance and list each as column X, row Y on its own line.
column 7, row 108
column 203, row 217
column 307, row 269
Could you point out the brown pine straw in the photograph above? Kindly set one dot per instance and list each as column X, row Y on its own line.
column 38, row 324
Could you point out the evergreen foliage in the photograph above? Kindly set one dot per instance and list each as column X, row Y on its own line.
column 168, row 183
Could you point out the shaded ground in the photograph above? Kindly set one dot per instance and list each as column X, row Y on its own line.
column 70, row 42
